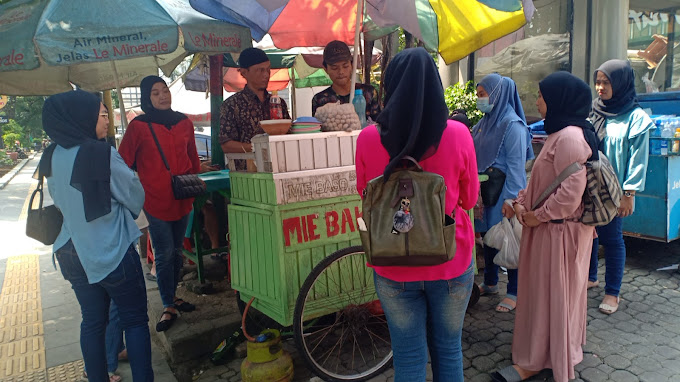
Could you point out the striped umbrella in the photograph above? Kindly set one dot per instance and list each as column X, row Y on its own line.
column 454, row 28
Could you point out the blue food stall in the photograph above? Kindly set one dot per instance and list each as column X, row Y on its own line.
column 657, row 211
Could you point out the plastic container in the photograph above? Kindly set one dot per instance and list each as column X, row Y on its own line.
column 666, row 132
column 359, row 103
column 275, row 108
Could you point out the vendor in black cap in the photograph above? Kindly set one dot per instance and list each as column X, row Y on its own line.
column 337, row 61
column 240, row 114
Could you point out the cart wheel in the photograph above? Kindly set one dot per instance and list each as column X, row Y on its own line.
column 256, row 321
column 474, row 296
column 338, row 324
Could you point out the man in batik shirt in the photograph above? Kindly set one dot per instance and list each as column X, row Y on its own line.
column 240, row 114
column 337, row 61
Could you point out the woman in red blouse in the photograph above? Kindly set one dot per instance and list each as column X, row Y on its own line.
column 167, row 216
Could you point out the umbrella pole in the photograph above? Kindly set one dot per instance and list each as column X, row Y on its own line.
column 111, row 132
column 123, row 115
column 293, row 96
column 355, row 55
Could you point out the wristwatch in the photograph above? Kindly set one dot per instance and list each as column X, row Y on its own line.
column 628, row 194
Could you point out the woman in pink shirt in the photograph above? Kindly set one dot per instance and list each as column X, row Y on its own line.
column 424, row 306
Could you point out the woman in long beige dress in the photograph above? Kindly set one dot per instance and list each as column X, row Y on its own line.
column 550, row 323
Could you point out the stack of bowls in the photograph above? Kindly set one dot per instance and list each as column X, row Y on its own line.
column 305, row 125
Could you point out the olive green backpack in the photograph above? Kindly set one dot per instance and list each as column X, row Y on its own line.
column 404, row 219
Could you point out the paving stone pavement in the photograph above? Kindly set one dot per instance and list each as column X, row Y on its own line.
column 640, row 342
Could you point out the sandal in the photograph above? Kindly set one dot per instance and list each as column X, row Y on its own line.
column 487, row 290
column 150, row 277
column 593, row 284
column 609, row 309
column 164, row 325
column 507, row 374
column 112, row 377
column 507, row 306
column 184, row 306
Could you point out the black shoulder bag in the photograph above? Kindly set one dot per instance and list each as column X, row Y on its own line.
column 183, row 186
column 43, row 224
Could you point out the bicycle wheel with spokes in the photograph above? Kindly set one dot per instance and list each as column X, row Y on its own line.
column 338, row 324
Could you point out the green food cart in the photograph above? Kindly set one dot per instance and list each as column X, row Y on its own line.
column 295, row 250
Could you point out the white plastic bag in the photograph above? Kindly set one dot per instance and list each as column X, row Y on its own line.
column 505, row 236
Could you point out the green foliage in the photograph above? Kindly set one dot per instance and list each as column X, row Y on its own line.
column 5, row 160
column 463, row 96
column 10, row 138
column 28, row 114
column 114, row 100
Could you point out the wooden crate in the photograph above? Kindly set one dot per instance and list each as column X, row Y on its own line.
column 293, row 187
column 299, row 152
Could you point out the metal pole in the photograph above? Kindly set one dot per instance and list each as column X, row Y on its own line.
column 216, row 94
column 293, row 95
column 111, row 133
column 123, row 114
column 355, row 55
column 669, row 47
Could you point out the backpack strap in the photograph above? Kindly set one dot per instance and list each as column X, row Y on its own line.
column 567, row 172
column 413, row 161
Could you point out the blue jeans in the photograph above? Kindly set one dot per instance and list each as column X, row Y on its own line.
column 611, row 237
column 422, row 316
column 491, row 271
column 125, row 286
column 114, row 339
column 167, row 238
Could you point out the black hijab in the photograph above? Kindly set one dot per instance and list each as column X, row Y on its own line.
column 414, row 117
column 624, row 99
column 568, row 100
column 70, row 119
column 168, row 118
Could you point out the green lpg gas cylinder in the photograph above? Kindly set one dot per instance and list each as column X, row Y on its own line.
column 266, row 360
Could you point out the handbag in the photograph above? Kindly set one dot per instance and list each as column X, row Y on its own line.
column 183, row 186
column 404, row 222
column 492, row 188
column 44, row 223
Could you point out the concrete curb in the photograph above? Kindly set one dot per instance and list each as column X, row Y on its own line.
column 10, row 175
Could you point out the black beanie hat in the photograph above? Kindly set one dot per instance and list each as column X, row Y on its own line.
column 252, row 56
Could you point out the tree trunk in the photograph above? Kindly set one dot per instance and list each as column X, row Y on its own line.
column 368, row 55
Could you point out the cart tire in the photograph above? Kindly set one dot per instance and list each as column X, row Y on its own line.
column 318, row 337
column 256, row 321
column 474, row 296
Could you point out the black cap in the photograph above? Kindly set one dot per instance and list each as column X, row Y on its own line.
column 336, row 51
column 252, row 56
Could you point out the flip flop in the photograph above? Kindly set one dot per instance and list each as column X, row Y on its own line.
column 487, row 290
column 507, row 374
column 593, row 284
column 608, row 309
column 507, row 306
